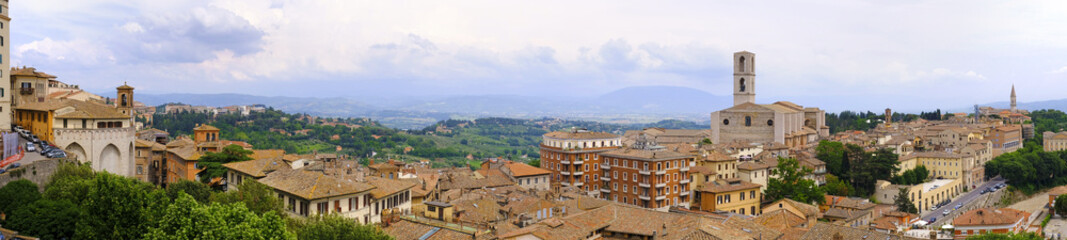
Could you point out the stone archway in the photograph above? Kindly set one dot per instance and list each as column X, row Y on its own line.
column 109, row 159
column 78, row 151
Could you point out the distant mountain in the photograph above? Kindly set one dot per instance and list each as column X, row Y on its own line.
column 644, row 104
column 315, row 106
column 664, row 99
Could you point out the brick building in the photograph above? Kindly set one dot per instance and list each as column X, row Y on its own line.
column 646, row 175
column 573, row 157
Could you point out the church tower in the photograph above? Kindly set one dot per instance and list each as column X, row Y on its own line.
column 124, row 99
column 1013, row 109
column 744, row 78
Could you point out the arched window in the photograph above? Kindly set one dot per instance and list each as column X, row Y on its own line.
column 748, row 121
column 742, row 85
column 124, row 100
column 741, row 64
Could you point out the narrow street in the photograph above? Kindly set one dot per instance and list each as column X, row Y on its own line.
column 966, row 200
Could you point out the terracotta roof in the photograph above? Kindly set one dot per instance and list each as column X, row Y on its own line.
column 705, row 170
column 846, row 202
column 124, row 87
column 184, row 148
column 990, row 217
column 935, row 154
column 205, row 127
column 225, row 143
column 806, row 209
column 30, row 72
column 758, row 165
column 579, row 135
column 382, row 166
column 384, row 187
column 716, row 156
column 523, row 170
column 643, row 154
column 825, row 231
column 780, row 220
column 68, row 108
column 312, row 185
column 722, row 186
column 410, row 230
column 887, row 223
column 259, row 167
column 642, row 222
column 267, row 153
column 1058, row 191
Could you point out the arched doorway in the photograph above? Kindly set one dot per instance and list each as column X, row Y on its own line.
column 78, row 151
column 109, row 159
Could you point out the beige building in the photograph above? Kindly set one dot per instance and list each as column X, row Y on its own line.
column 1055, row 141
column 93, row 132
column 306, row 193
column 6, row 109
column 31, row 85
column 730, row 195
column 781, row 122
column 922, row 195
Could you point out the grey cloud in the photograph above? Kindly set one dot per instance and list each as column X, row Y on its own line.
column 189, row 36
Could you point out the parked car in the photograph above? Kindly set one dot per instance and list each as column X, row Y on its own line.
column 933, row 219
column 958, row 206
column 30, row 147
column 946, row 212
column 3, row 171
column 14, row 165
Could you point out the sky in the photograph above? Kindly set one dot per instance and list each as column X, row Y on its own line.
column 855, row 54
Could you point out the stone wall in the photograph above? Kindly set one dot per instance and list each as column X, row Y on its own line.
column 39, row 172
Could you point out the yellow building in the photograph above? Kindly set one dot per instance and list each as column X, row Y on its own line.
column 732, row 195
column 922, row 195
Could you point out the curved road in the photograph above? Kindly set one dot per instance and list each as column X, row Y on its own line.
column 965, row 199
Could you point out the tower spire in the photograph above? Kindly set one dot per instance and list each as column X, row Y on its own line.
column 1013, row 108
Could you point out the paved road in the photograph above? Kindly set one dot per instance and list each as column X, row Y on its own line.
column 964, row 200
column 30, row 156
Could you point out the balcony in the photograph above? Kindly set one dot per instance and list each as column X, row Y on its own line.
column 684, row 168
column 661, row 185
column 565, row 173
column 578, row 162
column 605, row 179
column 643, row 197
column 684, row 181
column 578, row 184
column 565, row 162
column 661, row 197
column 644, row 172
column 605, row 190
column 684, row 193
column 26, row 91
column 661, row 172
column 605, row 166
column 578, row 173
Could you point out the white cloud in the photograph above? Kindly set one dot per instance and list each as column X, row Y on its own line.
column 821, row 48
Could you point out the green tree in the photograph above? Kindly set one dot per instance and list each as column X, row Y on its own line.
column 199, row 191
column 706, row 141
column 837, row 187
column 832, row 153
column 789, row 182
column 1061, row 205
column 1009, row 236
column 46, row 219
column 187, row 219
column 535, row 163
column 71, row 181
column 329, row 227
column 16, row 194
column 114, row 208
column 255, row 196
column 903, row 202
column 211, row 163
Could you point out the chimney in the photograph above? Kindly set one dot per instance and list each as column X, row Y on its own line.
column 371, row 162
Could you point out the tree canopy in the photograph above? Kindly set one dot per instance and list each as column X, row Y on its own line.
column 16, row 194
column 330, row 227
column 188, row 219
column 211, row 162
column 788, row 182
column 903, row 202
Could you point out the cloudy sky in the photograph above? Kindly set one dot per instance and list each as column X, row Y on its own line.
column 864, row 54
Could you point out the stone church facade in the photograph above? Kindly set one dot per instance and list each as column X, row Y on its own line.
column 781, row 122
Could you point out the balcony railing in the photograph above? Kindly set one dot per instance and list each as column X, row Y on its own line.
column 26, row 91
column 644, row 185
column 661, row 197
column 578, row 184
column 661, row 185
column 644, row 172
column 605, row 166
column 605, row 179
column 684, row 169
column 578, row 173
column 643, row 197
column 578, row 162
column 661, row 172
column 684, row 181
column 684, row 193
column 565, row 162
column 605, row 190
column 565, row 173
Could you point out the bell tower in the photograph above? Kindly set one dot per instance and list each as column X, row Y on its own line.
column 744, row 78
column 124, row 99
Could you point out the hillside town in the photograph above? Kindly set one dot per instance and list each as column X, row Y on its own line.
column 83, row 165
column 723, row 182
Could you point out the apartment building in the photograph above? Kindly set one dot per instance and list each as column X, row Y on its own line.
column 574, row 159
column 646, row 175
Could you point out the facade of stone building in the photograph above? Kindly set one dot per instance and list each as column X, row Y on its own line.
column 574, row 158
column 91, row 131
column 6, row 91
column 781, row 122
column 1055, row 141
column 646, row 175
